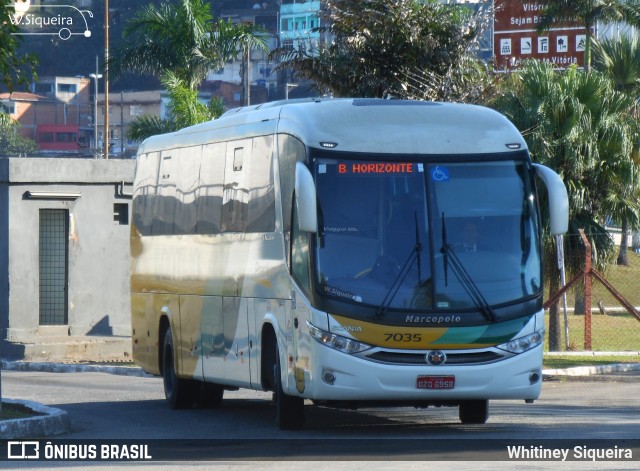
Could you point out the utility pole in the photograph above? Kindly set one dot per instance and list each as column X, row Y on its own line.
column 121, row 122
column 106, row 80
column 95, row 77
column 248, row 95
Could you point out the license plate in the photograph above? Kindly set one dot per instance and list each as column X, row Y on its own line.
column 436, row 382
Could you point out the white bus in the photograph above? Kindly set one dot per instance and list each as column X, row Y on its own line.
column 344, row 253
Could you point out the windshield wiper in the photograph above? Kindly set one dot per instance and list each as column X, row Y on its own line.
column 404, row 271
column 450, row 259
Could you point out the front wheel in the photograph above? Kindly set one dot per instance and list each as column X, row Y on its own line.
column 289, row 409
column 474, row 412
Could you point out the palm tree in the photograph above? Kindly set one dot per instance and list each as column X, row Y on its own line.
column 180, row 44
column 578, row 125
column 184, row 110
column 183, row 39
column 589, row 13
column 620, row 59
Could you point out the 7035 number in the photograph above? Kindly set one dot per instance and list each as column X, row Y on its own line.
column 399, row 337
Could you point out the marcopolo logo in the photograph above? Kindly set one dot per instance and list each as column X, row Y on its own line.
column 63, row 21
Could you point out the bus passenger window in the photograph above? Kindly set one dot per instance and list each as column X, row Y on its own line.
column 209, row 194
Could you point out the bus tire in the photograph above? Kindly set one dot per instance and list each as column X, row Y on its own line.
column 179, row 392
column 289, row 409
column 474, row 412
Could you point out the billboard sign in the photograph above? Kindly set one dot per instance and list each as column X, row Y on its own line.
column 515, row 37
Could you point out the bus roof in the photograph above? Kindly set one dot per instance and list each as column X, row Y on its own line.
column 360, row 125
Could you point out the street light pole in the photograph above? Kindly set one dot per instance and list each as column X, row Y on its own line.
column 106, row 79
column 95, row 77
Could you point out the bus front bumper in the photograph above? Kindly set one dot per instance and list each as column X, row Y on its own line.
column 336, row 376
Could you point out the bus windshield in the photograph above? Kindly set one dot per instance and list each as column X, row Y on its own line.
column 423, row 236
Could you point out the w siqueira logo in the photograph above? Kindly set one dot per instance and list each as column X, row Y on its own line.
column 54, row 20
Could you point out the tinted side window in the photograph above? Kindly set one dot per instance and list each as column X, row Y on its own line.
column 261, row 214
column 145, row 192
column 235, row 196
column 165, row 204
column 209, row 193
column 187, row 181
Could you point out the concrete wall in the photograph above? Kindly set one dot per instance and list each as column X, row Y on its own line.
column 98, row 250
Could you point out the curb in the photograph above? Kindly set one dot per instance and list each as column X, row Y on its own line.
column 591, row 370
column 72, row 368
column 54, row 422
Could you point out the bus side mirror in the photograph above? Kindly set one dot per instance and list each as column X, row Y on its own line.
column 306, row 203
column 558, row 199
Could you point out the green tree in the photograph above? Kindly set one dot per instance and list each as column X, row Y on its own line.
column 180, row 38
column 12, row 144
column 180, row 44
column 589, row 13
column 381, row 48
column 15, row 68
column 579, row 125
column 184, row 110
column 620, row 59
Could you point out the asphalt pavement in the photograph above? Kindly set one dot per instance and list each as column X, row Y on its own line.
column 52, row 421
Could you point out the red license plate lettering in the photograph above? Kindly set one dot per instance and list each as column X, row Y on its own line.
column 436, row 382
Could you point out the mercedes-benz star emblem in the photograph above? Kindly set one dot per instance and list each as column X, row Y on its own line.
column 436, row 357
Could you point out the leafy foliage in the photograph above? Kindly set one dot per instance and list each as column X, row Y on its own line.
column 181, row 44
column 13, row 144
column 380, row 48
column 181, row 38
column 579, row 125
column 184, row 108
column 15, row 68
column 589, row 13
column 620, row 60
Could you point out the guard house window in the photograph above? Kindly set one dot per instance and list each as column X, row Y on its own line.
column 43, row 88
column 53, row 267
column 66, row 88
column 8, row 106
column 121, row 213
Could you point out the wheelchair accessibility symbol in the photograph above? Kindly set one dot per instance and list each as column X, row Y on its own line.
column 61, row 21
column 440, row 174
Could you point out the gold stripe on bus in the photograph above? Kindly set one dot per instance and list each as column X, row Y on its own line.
column 407, row 338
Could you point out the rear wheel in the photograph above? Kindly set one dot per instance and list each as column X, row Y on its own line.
column 179, row 392
column 289, row 409
column 474, row 412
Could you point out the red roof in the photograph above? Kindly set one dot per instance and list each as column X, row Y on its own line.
column 21, row 96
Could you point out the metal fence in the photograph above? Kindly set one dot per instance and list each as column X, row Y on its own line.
column 604, row 318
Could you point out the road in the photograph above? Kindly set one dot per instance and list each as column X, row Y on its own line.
column 108, row 407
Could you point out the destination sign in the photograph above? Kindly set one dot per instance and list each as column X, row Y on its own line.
column 355, row 168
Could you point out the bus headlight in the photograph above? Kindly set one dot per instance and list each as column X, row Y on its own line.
column 337, row 342
column 523, row 344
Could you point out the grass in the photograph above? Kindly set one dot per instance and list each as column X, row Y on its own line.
column 16, row 411
column 572, row 361
column 615, row 330
column 625, row 279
